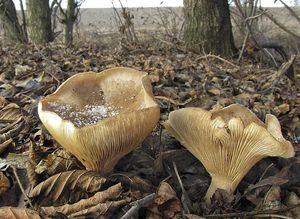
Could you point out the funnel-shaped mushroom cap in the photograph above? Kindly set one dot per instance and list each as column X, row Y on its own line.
column 100, row 117
column 228, row 142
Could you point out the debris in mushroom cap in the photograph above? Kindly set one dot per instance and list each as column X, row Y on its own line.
column 88, row 115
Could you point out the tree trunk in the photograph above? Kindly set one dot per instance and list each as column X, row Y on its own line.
column 208, row 27
column 8, row 17
column 39, row 21
column 70, row 19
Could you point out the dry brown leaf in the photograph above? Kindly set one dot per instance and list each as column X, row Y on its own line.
column 214, row 91
column 99, row 209
column 18, row 213
column 165, row 193
column 282, row 108
column 112, row 193
column 168, row 203
column 293, row 199
column 10, row 112
column 3, row 102
column 272, row 199
column 4, row 183
column 56, row 162
column 67, row 186
column 4, row 145
column 11, row 133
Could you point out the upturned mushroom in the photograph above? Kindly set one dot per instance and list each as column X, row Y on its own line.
column 100, row 117
column 228, row 142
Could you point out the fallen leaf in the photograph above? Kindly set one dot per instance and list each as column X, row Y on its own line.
column 168, row 203
column 112, row 193
column 283, row 108
column 293, row 199
column 66, row 186
column 214, row 91
column 4, row 183
column 18, row 213
column 56, row 162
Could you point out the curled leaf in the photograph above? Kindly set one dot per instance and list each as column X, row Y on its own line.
column 67, row 186
column 111, row 193
column 18, row 213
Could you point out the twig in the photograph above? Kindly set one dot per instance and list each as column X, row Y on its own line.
column 272, row 57
column 50, row 64
column 173, row 101
column 290, row 10
column 273, row 216
column 248, row 25
column 252, row 213
column 180, row 48
column 20, row 185
column 282, row 70
column 186, row 202
column 60, row 8
column 217, row 57
column 265, row 171
column 255, row 16
column 137, row 205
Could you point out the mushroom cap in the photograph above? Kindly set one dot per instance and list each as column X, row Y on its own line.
column 100, row 117
column 228, row 141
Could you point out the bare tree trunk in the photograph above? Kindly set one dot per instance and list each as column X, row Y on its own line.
column 39, row 21
column 24, row 25
column 70, row 19
column 8, row 16
column 208, row 27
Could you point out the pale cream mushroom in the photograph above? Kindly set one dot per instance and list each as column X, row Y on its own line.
column 100, row 117
column 228, row 142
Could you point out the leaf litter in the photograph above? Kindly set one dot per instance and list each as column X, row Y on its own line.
column 53, row 184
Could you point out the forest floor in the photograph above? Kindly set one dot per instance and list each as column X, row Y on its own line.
column 160, row 179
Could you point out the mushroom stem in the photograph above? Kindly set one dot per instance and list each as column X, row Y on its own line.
column 219, row 182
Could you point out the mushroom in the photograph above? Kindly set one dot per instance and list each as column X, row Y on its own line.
column 100, row 117
column 228, row 142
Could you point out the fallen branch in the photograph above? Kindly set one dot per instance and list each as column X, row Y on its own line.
column 217, row 57
column 285, row 67
column 21, row 186
column 137, row 205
